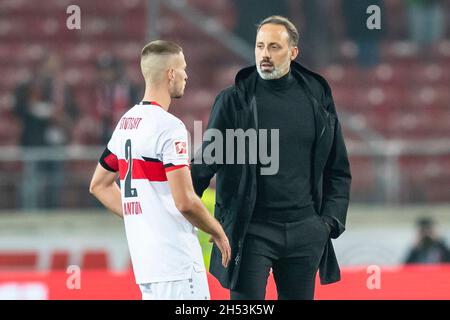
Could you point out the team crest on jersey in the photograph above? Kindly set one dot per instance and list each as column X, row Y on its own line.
column 180, row 148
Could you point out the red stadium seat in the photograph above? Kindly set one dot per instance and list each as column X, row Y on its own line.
column 18, row 260
column 97, row 259
column 59, row 260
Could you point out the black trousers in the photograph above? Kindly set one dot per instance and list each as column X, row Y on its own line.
column 291, row 249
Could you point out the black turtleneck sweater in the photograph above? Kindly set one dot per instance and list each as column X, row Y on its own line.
column 282, row 104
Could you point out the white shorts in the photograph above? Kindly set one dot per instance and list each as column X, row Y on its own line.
column 194, row 288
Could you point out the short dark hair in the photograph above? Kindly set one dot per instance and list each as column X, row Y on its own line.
column 161, row 47
column 283, row 21
column 425, row 222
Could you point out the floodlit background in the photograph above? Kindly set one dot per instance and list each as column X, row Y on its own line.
column 62, row 91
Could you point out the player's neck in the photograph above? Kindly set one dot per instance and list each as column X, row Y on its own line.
column 159, row 97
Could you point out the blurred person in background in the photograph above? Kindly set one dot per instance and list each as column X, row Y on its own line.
column 355, row 17
column 114, row 93
column 47, row 111
column 426, row 22
column 318, row 33
column 429, row 249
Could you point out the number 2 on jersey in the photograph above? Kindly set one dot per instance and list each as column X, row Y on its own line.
column 129, row 191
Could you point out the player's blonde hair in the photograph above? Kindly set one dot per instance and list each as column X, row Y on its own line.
column 155, row 57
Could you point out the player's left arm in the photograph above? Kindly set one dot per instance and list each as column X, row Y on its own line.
column 105, row 189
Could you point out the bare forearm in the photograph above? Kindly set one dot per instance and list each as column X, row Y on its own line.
column 110, row 197
column 199, row 216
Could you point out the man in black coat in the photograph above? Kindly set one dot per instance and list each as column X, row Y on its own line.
column 279, row 214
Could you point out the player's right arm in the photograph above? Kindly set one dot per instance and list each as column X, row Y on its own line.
column 105, row 189
column 192, row 208
column 103, row 183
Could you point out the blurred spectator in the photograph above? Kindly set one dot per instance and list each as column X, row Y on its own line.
column 45, row 106
column 317, row 42
column 429, row 248
column 114, row 95
column 355, row 18
column 426, row 21
column 46, row 110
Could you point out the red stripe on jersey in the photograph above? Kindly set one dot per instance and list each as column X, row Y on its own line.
column 156, row 104
column 149, row 170
column 111, row 161
column 168, row 169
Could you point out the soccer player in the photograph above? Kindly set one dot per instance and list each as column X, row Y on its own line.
column 148, row 150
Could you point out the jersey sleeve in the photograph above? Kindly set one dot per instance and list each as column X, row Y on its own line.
column 109, row 161
column 173, row 148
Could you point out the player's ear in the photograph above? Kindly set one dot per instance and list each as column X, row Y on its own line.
column 171, row 74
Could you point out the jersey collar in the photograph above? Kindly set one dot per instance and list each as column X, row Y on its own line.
column 150, row 102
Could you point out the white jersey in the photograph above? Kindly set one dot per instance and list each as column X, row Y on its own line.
column 146, row 143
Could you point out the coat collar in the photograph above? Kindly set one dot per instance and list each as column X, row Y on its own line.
column 245, row 84
column 245, row 80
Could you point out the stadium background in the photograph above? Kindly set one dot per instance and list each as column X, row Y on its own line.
column 61, row 89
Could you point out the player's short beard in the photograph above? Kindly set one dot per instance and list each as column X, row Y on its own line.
column 177, row 94
column 276, row 73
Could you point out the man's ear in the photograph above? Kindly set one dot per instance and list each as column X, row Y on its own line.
column 171, row 74
column 294, row 53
